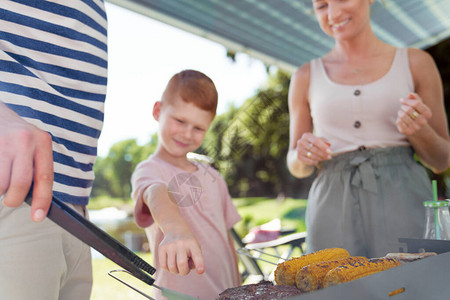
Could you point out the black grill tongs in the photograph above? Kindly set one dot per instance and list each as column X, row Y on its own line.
column 86, row 231
column 89, row 233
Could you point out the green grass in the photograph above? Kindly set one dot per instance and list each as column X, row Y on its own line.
column 257, row 211
column 107, row 288
column 254, row 212
column 105, row 201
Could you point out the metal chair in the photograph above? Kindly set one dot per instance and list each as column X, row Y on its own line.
column 251, row 254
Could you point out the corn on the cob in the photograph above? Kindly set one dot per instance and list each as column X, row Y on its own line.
column 311, row 277
column 286, row 271
column 396, row 292
column 352, row 272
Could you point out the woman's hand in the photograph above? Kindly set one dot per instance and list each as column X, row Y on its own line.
column 311, row 149
column 413, row 115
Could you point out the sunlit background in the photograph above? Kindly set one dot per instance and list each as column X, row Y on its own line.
column 251, row 127
column 144, row 54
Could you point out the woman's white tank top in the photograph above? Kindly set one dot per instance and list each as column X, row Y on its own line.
column 352, row 117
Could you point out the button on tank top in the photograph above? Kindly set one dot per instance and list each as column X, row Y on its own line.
column 360, row 116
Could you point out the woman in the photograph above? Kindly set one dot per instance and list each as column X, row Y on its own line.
column 360, row 113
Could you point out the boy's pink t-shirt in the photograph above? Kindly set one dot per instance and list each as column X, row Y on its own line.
column 205, row 203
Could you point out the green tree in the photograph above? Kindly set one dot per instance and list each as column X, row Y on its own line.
column 249, row 144
column 113, row 173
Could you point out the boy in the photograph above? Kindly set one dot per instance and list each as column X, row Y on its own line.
column 184, row 206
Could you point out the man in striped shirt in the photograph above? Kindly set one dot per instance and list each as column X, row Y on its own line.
column 53, row 67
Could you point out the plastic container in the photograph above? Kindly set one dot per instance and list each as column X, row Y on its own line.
column 437, row 220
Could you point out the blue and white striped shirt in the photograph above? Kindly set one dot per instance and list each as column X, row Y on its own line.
column 53, row 68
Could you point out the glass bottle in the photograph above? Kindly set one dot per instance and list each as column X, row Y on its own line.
column 437, row 220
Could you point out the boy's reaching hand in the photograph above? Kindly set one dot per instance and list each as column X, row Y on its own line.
column 179, row 252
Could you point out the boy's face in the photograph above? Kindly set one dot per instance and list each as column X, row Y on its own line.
column 182, row 126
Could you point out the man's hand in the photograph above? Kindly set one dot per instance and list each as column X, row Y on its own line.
column 26, row 158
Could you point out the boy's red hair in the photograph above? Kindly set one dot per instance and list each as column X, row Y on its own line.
column 192, row 87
